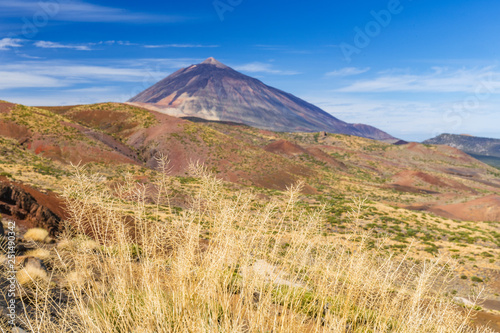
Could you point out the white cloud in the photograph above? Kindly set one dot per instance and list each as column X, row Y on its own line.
column 7, row 43
column 259, row 67
column 59, row 73
column 348, row 71
column 79, row 11
column 414, row 119
column 88, row 46
column 281, row 48
column 55, row 74
column 27, row 56
column 54, row 45
column 12, row 80
column 67, row 71
column 66, row 96
column 179, row 46
column 120, row 42
column 440, row 80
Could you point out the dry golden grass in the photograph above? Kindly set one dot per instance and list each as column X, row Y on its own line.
column 87, row 245
column 31, row 276
column 66, row 244
column 36, row 235
column 230, row 265
column 39, row 253
column 75, row 280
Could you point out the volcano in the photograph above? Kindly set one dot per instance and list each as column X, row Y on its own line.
column 213, row 91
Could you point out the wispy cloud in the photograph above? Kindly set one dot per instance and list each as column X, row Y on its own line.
column 89, row 46
column 54, row 45
column 156, row 46
column 80, row 11
column 348, row 71
column 281, row 48
column 409, row 119
column 60, row 73
column 56, row 74
column 15, row 79
column 61, row 96
column 439, row 80
column 27, row 56
column 64, row 82
column 259, row 67
column 8, row 43
column 179, row 46
column 269, row 47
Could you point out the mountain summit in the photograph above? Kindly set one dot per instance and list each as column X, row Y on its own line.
column 214, row 91
column 214, row 62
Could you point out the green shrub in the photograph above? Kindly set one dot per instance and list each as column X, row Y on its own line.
column 476, row 279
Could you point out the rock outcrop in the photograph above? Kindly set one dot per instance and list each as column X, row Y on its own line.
column 18, row 204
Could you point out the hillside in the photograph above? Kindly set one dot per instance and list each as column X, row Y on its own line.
column 415, row 201
column 413, row 175
column 484, row 149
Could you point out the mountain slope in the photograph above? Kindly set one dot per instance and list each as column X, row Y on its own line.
column 484, row 149
column 414, row 176
column 146, row 133
column 58, row 138
column 214, row 91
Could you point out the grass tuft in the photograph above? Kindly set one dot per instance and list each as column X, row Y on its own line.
column 36, row 235
column 31, row 276
column 39, row 253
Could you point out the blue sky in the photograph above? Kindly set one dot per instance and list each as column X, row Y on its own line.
column 414, row 68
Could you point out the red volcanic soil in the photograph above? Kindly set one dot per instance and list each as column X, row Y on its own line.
column 110, row 120
column 30, row 207
column 416, row 147
column 12, row 130
column 127, row 154
column 75, row 152
column 184, row 143
column 6, row 107
column 419, row 179
column 162, row 138
column 290, row 149
column 488, row 319
column 60, row 149
column 435, row 152
column 283, row 179
column 58, row 109
column 285, row 147
column 320, row 155
column 482, row 209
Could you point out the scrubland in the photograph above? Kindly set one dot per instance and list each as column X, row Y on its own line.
column 126, row 261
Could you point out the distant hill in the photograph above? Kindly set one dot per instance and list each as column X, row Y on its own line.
column 484, row 149
column 214, row 91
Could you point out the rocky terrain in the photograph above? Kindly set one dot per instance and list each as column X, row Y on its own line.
column 30, row 207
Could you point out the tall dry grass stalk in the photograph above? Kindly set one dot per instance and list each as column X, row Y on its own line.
column 230, row 264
